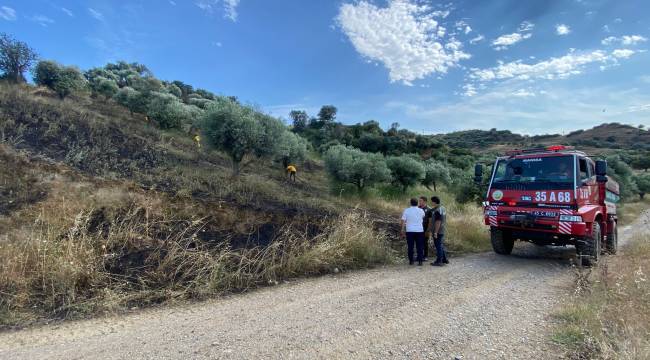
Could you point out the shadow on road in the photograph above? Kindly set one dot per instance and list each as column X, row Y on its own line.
column 557, row 254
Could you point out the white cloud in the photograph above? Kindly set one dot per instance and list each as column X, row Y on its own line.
column 42, row 20
column 469, row 90
column 404, row 36
column 606, row 28
column 7, row 13
column 440, row 13
column 562, row 29
column 523, row 33
column 96, row 14
column 523, row 93
column 625, row 40
column 623, row 53
column 645, row 79
column 172, row 2
column 504, row 41
column 229, row 7
column 553, row 68
column 67, row 12
column 477, row 39
column 463, row 27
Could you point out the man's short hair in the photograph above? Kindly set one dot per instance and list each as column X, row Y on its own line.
column 435, row 199
column 414, row 202
column 424, row 198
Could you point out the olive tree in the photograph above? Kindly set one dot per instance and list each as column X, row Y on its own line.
column 46, row 73
column 64, row 80
column 106, row 87
column 291, row 148
column 16, row 57
column 405, row 170
column 70, row 80
column 240, row 132
column 623, row 174
column 643, row 184
column 132, row 99
column 435, row 173
column 166, row 110
column 353, row 166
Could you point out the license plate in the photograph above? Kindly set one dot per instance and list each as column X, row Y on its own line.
column 550, row 214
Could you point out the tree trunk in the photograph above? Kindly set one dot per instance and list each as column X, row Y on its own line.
column 642, row 195
column 434, row 187
column 236, row 168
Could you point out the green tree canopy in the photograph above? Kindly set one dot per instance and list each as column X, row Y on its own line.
column 623, row 174
column 64, row 80
column 643, row 184
column 353, row 166
column 641, row 162
column 327, row 113
column 435, row 173
column 300, row 119
column 16, row 57
column 405, row 170
column 292, row 149
column 241, row 132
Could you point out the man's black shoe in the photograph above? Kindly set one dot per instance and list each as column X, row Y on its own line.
column 419, row 263
column 411, row 263
column 436, row 263
column 445, row 261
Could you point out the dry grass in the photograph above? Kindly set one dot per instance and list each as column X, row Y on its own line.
column 103, row 250
column 609, row 316
column 629, row 211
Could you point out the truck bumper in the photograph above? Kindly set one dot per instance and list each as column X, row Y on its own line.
column 551, row 226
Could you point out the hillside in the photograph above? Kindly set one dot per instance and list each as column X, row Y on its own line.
column 601, row 139
column 102, row 211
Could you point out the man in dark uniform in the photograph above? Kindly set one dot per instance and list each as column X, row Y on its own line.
column 422, row 204
column 439, row 227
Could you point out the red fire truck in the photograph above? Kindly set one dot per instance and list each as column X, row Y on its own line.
column 552, row 196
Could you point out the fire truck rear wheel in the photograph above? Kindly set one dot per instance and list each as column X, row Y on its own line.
column 612, row 239
column 502, row 242
column 589, row 247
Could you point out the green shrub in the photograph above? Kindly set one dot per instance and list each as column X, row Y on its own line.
column 64, row 80
column 353, row 166
column 241, row 132
column 405, row 171
column 435, row 173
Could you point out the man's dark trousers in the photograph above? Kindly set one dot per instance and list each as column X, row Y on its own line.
column 441, row 254
column 415, row 239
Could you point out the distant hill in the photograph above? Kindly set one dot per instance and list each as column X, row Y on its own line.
column 600, row 139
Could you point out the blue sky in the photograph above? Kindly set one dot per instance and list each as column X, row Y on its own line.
column 536, row 66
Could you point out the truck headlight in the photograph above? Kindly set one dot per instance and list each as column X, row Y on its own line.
column 571, row 218
column 491, row 213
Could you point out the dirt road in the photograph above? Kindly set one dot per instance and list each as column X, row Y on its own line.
column 480, row 307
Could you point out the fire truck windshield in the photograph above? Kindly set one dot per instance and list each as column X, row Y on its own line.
column 536, row 173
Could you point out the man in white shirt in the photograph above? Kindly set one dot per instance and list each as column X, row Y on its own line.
column 412, row 219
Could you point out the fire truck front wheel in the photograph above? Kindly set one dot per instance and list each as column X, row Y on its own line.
column 589, row 248
column 502, row 242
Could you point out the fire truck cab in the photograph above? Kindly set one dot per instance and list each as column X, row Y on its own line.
column 551, row 196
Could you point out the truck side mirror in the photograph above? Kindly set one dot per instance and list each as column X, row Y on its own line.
column 601, row 170
column 478, row 173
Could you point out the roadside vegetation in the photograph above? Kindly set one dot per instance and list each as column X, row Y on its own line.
column 609, row 313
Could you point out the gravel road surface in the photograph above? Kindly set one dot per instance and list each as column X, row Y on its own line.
column 482, row 306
